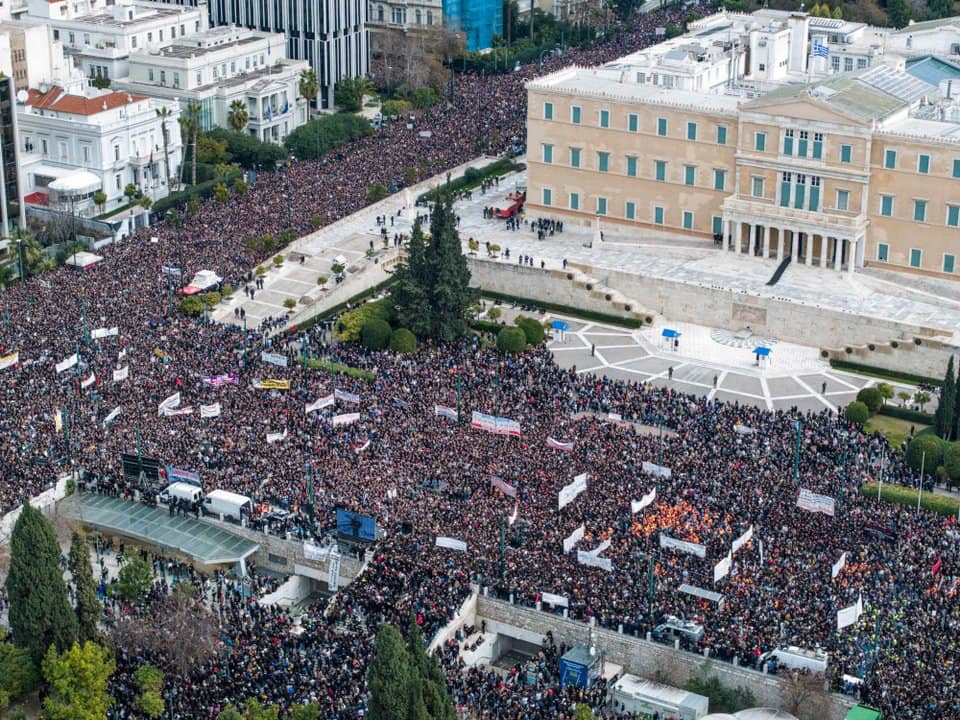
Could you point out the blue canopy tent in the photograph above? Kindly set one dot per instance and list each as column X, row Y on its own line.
column 559, row 325
column 671, row 338
column 762, row 353
column 668, row 333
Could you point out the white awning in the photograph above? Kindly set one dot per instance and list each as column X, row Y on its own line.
column 76, row 183
column 83, row 259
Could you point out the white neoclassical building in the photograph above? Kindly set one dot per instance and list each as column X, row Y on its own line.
column 73, row 145
column 223, row 64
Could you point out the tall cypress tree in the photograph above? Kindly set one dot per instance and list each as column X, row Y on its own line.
column 943, row 417
column 410, row 294
column 448, row 277
column 429, row 691
column 40, row 613
column 388, row 677
column 88, row 607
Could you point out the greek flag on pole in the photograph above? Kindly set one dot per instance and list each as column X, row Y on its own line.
column 444, row 411
column 820, row 50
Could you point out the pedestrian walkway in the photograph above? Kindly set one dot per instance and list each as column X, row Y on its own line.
column 709, row 362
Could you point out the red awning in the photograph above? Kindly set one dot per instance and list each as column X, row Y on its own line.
column 36, row 198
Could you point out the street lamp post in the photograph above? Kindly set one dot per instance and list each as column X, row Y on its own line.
column 23, row 278
column 796, row 456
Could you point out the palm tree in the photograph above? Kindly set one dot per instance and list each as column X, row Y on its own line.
column 194, row 110
column 184, row 121
column 164, row 114
column 309, row 87
column 239, row 116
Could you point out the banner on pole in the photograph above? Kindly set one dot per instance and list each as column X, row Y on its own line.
column 111, row 417
column 171, row 402
column 815, row 502
column 743, row 430
column 220, row 380
column 451, row 543
column 838, row 566
column 503, row 486
column 585, row 558
column 498, row 425
column 320, row 404
column 276, row 437
column 98, row 333
column 210, row 411
column 271, row 384
column 121, row 374
column 559, row 445
column 656, row 470
column 274, row 358
column 167, row 270
column 638, row 505
column 67, row 363
column 688, row 547
column 9, row 360
column 551, row 599
column 849, row 615
column 572, row 539
column 722, row 568
column 743, row 539
column 349, row 397
column 88, row 381
column 568, row 493
column 345, row 419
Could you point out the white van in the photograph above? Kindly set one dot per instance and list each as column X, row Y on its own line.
column 796, row 658
column 181, row 491
column 227, row 504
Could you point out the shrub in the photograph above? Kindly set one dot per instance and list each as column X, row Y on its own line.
column 532, row 330
column 376, row 192
column 926, row 450
column 322, row 280
column 951, row 461
column 347, row 370
column 872, row 398
column 212, row 298
column 375, row 334
column 350, row 325
column 333, row 131
column 289, row 303
column 261, row 271
column 511, row 340
column 914, row 416
column 278, row 260
column 403, row 341
column 191, row 305
column 857, row 413
column 494, row 313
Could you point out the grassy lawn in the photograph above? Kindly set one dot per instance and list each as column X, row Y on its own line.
column 896, row 431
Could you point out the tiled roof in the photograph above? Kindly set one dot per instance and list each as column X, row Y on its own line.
column 56, row 99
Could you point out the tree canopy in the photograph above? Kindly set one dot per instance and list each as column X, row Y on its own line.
column 77, row 682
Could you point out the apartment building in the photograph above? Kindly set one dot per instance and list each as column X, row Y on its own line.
column 693, row 137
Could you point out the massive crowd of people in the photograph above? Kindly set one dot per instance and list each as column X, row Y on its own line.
column 433, row 475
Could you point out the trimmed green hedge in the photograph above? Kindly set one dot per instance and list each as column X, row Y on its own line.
column 940, row 504
column 175, row 201
column 337, row 309
column 885, row 374
column 473, row 177
column 486, row 326
column 902, row 413
column 348, row 370
column 631, row 323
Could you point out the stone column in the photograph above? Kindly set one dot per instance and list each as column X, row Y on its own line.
column 809, row 249
column 824, row 241
column 852, row 257
column 765, row 235
column 752, row 242
column 779, row 244
column 795, row 245
column 838, row 255
column 728, row 236
column 738, row 237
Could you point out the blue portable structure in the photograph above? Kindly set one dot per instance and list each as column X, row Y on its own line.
column 559, row 325
column 579, row 668
column 671, row 334
column 479, row 20
column 762, row 351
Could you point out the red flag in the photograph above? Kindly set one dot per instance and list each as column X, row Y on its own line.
column 936, row 566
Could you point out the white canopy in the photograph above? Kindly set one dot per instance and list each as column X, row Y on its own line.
column 77, row 183
column 83, row 259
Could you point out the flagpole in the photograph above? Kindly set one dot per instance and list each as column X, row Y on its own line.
column 883, row 460
column 923, row 460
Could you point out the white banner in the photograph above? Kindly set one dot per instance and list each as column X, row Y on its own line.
column 168, row 404
column 743, row 539
column 569, row 492
column 320, row 404
column 722, row 568
column 210, row 411
column 687, row 547
column 572, row 539
column 173, row 412
column 849, row 615
column 274, row 358
column 558, row 600
column 111, row 417
column 656, row 470
column 347, row 419
column 345, row 396
column 614, row 417
column 121, row 374
column 599, row 548
column 506, row 426
column 483, row 422
column 838, row 566
column 276, row 437
column 809, row 500
column 451, row 543
column 9, row 360
column 638, row 505
column 88, row 381
column 104, row 332
column 585, row 558
column 315, row 552
column 68, row 363
column 333, row 571
column 743, row 429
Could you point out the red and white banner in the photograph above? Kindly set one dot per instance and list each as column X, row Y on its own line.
column 174, row 412
column 815, row 502
column 444, row 411
column 9, row 360
column 503, row 486
column 498, row 425
column 559, row 445
column 88, row 381
column 359, row 447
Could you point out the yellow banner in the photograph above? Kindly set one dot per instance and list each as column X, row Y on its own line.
column 58, row 421
column 272, row 384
